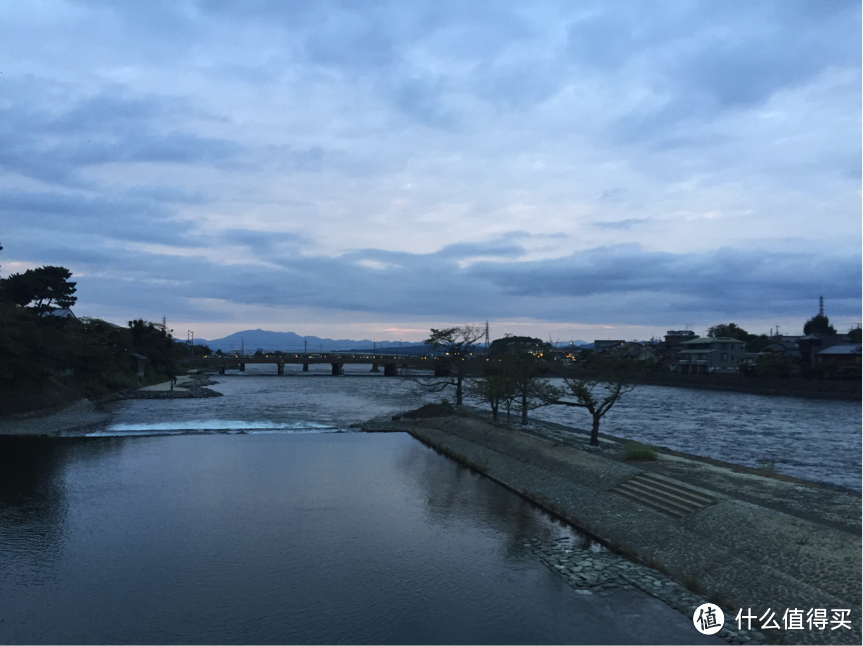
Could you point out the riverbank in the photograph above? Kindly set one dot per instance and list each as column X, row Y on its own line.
column 85, row 414
column 748, row 541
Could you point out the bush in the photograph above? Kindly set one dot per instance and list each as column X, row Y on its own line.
column 638, row 451
column 444, row 409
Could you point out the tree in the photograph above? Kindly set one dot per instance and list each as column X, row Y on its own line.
column 495, row 387
column 42, row 290
column 458, row 343
column 588, row 393
column 523, row 370
column 730, row 331
column 855, row 334
column 528, row 343
column 818, row 324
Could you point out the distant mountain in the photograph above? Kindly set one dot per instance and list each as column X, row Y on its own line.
column 252, row 340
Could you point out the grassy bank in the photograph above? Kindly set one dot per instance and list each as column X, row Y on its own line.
column 49, row 361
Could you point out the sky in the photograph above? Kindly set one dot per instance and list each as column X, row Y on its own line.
column 566, row 170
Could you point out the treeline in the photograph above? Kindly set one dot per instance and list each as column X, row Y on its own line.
column 48, row 360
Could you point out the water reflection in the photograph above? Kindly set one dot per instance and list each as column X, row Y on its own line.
column 269, row 539
column 452, row 499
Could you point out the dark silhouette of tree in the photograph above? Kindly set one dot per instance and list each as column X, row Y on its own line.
column 855, row 334
column 458, row 344
column 523, row 366
column 494, row 388
column 499, row 346
column 818, row 324
column 42, row 290
column 595, row 394
column 728, row 330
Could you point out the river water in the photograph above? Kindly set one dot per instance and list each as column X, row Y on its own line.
column 259, row 517
column 813, row 439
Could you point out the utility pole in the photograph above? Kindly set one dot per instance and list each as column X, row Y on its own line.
column 821, row 305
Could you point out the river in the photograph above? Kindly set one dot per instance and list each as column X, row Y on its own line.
column 260, row 517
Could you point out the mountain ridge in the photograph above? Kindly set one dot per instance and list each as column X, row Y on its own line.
column 252, row 340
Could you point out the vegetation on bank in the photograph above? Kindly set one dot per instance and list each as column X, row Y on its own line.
column 50, row 360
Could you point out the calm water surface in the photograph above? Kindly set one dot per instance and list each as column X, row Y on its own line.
column 255, row 518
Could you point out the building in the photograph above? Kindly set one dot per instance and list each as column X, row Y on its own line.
column 599, row 346
column 673, row 338
column 711, row 355
column 843, row 355
column 813, row 344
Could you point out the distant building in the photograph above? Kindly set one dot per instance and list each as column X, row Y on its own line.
column 711, row 355
column 140, row 362
column 673, row 338
column 813, row 344
column 599, row 346
column 63, row 313
column 788, row 348
column 845, row 355
column 634, row 351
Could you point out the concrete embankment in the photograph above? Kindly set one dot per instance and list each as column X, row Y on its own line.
column 743, row 540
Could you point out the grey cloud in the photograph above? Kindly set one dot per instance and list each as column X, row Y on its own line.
column 516, row 87
column 620, row 225
column 110, row 217
column 624, row 281
column 725, row 275
column 420, row 98
column 704, row 58
column 109, row 127
column 266, row 243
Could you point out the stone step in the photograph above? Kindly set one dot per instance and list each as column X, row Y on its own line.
column 666, row 495
column 678, row 489
column 651, row 500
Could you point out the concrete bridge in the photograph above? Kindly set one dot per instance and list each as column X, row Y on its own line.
column 390, row 362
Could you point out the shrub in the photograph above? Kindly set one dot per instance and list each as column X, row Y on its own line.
column 638, row 451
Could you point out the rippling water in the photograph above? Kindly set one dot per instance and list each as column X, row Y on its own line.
column 813, row 439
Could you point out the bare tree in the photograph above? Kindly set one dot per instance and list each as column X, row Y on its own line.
column 458, row 344
column 494, row 387
column 523, row 367
column 597, row 395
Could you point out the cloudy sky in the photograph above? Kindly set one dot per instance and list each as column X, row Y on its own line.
column 373, row 169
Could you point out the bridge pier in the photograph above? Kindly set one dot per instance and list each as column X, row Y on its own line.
column 338, row 369
column 281, row 368
column 391, row 370
column 305, row 367
column 242, row 367
column 221, row 368
column 375, row 368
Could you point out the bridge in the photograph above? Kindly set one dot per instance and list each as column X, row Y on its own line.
column 390, row 362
